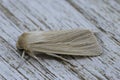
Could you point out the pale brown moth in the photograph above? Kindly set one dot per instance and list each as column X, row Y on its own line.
column 66, row 42
column 77, row 42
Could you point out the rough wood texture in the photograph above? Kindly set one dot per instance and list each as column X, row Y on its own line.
column 18, row 16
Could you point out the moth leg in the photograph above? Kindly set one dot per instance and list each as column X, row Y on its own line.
column 23, row 59
column 33, row 56
column 65, row 61
column 23, row 54
column 73, row 67
column 38, row 29
column 22, row 62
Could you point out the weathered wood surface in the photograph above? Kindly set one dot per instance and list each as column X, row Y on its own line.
column 18, row 16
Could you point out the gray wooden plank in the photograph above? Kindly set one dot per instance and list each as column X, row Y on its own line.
column 2, row 77
column 8, row 72
column 16, row 17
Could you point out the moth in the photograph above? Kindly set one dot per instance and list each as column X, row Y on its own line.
column 77, row 42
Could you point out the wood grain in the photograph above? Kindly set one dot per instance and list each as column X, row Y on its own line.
column 18, row 16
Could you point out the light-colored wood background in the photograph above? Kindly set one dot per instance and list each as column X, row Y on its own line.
column 18, row 16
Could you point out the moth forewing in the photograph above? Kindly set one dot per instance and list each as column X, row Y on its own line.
column 67, row 42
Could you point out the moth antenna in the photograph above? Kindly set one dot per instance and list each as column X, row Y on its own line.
column 21, row 62
column 77, row 72
column 72, row 67
column 57, row 56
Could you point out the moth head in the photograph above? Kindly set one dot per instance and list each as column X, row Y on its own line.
column 21, row 43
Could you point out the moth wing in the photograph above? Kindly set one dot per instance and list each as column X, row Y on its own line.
column 70, row 42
